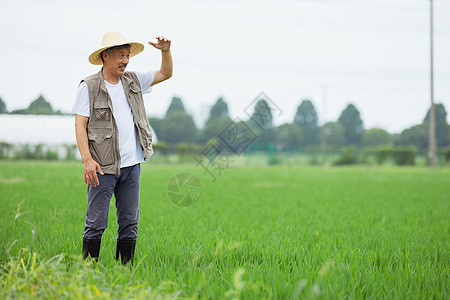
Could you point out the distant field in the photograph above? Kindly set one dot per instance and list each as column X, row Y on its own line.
column 261, row 232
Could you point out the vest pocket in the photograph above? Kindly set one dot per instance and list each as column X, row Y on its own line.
column 100, row 146
column 101, row 111
column 102, row 114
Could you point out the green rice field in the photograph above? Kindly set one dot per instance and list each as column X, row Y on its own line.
column 255, row 233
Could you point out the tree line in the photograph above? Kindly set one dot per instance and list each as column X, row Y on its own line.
column 39, row 106
column 178, row 126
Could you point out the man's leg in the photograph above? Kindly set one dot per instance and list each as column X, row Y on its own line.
column 127, row 204
column 99, row 198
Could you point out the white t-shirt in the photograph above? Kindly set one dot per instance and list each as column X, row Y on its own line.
column 129, row 147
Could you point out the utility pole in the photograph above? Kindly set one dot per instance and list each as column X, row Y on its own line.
column 432, row 119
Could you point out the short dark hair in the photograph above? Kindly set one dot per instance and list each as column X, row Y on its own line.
column 110, row 50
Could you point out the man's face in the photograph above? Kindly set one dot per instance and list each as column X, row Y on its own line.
column 117, row 61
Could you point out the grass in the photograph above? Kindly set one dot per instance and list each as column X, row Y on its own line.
column 274, row 233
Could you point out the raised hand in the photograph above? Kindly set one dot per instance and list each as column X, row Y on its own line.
column 162, row 43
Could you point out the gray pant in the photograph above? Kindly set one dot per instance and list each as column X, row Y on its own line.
column 125, row 188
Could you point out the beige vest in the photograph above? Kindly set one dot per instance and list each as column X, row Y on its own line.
column 103, row 134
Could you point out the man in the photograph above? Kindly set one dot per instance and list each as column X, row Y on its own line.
column 114, row 137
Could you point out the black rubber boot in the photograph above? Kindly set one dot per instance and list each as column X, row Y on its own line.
column 92, row 248
column 125, row 249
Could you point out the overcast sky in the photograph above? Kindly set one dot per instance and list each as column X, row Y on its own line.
column 372, row 53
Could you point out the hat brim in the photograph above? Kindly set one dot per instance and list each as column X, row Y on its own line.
column 135, row 49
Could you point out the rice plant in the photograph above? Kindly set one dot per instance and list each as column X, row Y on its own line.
column 255, row 233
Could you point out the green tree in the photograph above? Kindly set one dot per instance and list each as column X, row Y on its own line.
column 351, row 121
column 156, row 124
column 3, row 109
column 176, row 105
column 414, row 136
column 308, row 121
column 442, row 127
column 178, row 127
column 40, row 106
column 287, row 137
column 376, row 137
column 334, row 133
column 217, row 122
column 261, row 122
column 214, row 128
column 218, row 110
column 448, row 138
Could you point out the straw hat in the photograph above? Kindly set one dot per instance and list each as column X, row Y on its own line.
column 112, row 39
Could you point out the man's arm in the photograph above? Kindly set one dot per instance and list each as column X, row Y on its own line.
column 165, row 72
column 90, row 166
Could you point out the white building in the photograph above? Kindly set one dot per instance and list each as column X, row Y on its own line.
column 55, row 132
